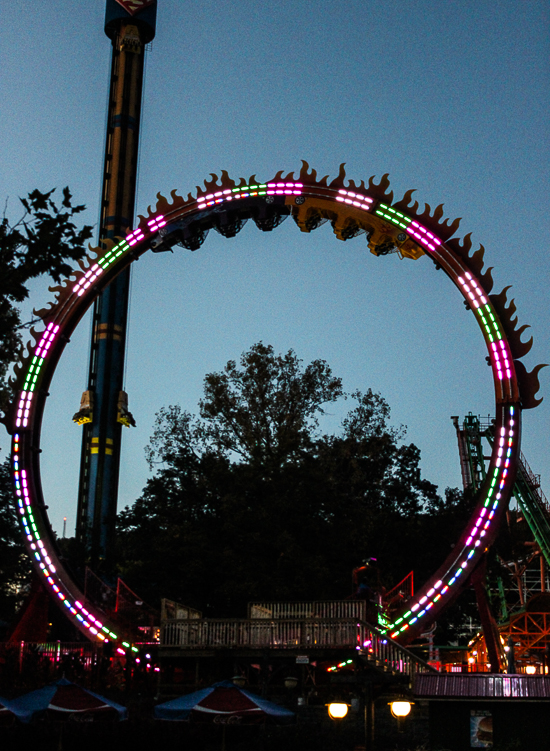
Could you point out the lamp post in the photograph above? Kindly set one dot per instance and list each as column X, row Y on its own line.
column 400, row 709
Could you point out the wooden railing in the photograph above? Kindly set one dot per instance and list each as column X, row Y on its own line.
column 307, row 634
column 279, row 634
column 308, row 609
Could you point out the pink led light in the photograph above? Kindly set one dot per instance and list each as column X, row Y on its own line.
column 156, row 222
column 421, row 233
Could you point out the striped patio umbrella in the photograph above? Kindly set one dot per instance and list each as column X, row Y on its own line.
column 223, row 703
column 63, row 700
column 6, row 715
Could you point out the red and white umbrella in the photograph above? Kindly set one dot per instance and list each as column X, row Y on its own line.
column 223, row 703
column 64, row 699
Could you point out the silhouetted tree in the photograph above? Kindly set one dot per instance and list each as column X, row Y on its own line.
column 39, row 243
column 251, row 500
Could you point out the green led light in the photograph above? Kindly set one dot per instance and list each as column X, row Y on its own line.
column 394, row 219
column 125, row 644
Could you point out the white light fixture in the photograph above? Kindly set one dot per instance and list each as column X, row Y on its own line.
column 337, row 710
column 400, row 708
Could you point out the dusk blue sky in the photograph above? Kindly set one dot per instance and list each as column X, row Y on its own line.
column 450, row 98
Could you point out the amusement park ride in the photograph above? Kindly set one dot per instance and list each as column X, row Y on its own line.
column 225, row 205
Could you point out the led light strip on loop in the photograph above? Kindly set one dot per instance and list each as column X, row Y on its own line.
column 355, row 199
column 250, row 191
column 499, row 353
column 411, row 227
column 25, row 400
column 106, row 261
column 43, row 557
column 80, row 295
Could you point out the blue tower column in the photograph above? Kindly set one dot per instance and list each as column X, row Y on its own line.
column 130, row 24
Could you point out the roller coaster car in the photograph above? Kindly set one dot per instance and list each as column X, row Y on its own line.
column 267, row 215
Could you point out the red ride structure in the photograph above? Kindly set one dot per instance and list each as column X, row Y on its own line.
column 353, row 209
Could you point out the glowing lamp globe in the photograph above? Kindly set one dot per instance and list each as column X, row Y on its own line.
column 400, row 708
column 337, row 711
column 530, row 669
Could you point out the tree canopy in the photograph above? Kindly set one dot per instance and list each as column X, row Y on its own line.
column 39, row 243
column 14, row 562
column 251, row 500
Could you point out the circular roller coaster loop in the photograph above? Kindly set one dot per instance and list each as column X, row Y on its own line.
column 225, row 205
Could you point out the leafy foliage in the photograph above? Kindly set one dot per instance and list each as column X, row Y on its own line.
column 251, row 501
column 14, row 563
column 41, row 242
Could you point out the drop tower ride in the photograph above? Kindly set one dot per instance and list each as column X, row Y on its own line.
column 130, row 25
